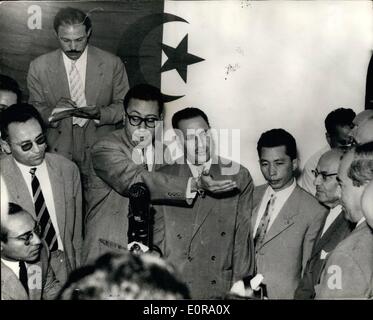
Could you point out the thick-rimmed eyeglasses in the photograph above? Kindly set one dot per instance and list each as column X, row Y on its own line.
column 27, row 237
column 324, row 175
column 150, row 122
column 27, row 145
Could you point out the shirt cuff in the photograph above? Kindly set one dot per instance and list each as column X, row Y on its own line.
column 189, row 194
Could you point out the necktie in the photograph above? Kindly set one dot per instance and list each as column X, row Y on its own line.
column 23, row 277
column 77, row 93
column 144, row 159
column 263, row 225
column 42, row 214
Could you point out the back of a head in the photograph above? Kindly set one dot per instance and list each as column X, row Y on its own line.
column 20, row 112
column 12, row 209
column 364, row 132
column 362, row 116
column 144, row 92
column 9, row 84
column 125, row 277
column 361, row 169
column 71, row 16
column 276, row 138
column 340, row 117
column 188, row 113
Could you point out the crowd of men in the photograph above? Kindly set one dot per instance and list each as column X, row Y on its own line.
column 71, row 154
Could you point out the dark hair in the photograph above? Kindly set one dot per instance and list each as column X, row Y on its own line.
column 188, row 113
column 340, row 117
column 9, row 84
column 275, row 138
column 133, row 277
column 361, row 168
column 144, row 92
column 13, row 209
column 20, row 112
column 71, row 16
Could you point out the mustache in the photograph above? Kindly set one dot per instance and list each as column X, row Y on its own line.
column 73, row 51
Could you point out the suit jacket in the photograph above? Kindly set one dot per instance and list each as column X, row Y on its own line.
column 348, row 272
column 337, row 231
column 288, row 243
column 47, row 289
column 106, row 86
column 210, row 243
column 66, row 186
column 114, row 171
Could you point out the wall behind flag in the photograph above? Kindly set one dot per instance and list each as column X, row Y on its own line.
column 270, row 64
column 26, row 31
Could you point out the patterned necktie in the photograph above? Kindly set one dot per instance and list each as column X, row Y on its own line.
column 23, row 277
column 77, row 92
column 263, row 225
column 47, row 230
column 144, row 159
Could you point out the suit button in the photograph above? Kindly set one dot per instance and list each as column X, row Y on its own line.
column 222, row 234
column 179, row 236
column 213, row 258
column 190, row 258
column 55, row 149
column 213, row 282
column 59, row 131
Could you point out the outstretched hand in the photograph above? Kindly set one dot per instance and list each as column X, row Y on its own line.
column 208, row 183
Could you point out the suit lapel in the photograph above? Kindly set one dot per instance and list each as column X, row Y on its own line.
column 257, row 200
column 284, row 218
column 57, row 77
column 57, row 184
column 94, row 75
column 17, row 187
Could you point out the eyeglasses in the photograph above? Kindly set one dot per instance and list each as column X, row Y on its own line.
column 27, row 237
column 27, row 145
column 136, row 121
column 324, row 175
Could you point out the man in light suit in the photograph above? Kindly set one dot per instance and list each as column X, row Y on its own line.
column 286, row 219
column 128, row 156
column 46, row 185
column 25, row 269
column 209, row 243
column 78, row 89
column 348, row 272
column 334, row 229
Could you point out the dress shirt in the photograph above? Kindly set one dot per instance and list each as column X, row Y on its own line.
column 360, row 222
column 81, row 65
column 280, row 197
column 196, row 172
column 12, row 265
column 333, row 214
column 46, row 187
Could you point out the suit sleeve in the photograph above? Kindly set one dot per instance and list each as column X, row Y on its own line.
column 35, row 88
column 52, row 286
column 118, row 170
column 113, row 113
column 342, row 278
column 244, row 257
column 311, row 234
column 78, row 226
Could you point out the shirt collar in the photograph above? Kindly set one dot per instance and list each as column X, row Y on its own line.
column 360, row 222
column 82, row 58
column 284, row 192
column 336, row 209
column 26, row 169
column 196, row 169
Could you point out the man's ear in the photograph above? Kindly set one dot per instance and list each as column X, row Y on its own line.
column 295, row 164
column 327, row 136
column 5, row 146
column 89, row 33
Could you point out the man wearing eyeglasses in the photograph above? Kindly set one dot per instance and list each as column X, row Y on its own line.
column 334, row 229
column 46, row 185
column 131, row 155
column 25, row 268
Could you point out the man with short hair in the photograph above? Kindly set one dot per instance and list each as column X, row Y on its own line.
column 338, row 125
column 335, row 227
column 25, row 269
column 348, row 272
column 127, row 156
column 9, row 92
column 46, row 185
column 209, row 243
column 78, row 89
column 286, row 219
column 364, row 132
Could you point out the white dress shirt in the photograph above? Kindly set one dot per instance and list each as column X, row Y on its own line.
column 46, row 187
column 196, row 172
column 333, row 214
column 360, row 222
column 81, row 65
column 280, row 197
column 12, row 265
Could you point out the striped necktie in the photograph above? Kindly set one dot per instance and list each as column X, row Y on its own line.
column 47, row 230
column 77, row 92
column 263, row 225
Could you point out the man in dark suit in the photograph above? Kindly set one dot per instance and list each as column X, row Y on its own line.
column 78, row 89
column 46, row 185
column 335, row 227
column 127, row 156
column 348, row 272
column 286, row 219
column 209, row 243
column 25, row 269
